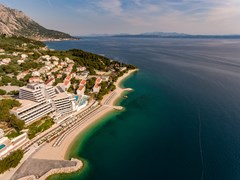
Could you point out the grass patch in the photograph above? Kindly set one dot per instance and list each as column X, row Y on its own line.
column 11, row 161
column 39, row 126
column 13, row 134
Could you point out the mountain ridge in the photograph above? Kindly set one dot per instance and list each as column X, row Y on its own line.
column 15, row 22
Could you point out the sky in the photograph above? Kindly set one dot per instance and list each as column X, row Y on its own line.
column 85, row 17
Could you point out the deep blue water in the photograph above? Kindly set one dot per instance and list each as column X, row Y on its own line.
column 182, row 122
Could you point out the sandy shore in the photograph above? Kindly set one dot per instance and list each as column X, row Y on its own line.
column 59, row 152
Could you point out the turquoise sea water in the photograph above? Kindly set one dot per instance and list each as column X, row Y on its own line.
column 182, row 121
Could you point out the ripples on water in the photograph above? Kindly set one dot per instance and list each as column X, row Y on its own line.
column 182, row 121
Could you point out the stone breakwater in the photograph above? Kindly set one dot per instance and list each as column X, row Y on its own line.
column 64, row 170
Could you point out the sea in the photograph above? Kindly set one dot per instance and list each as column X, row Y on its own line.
column 181, row 122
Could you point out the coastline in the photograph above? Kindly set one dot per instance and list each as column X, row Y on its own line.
column 120, row 91
column 62, row 152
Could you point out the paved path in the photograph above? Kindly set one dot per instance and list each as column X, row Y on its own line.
column 39, row 167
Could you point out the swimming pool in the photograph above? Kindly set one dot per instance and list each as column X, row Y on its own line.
column 2, row 146
column 83, row 101
column 76, row 98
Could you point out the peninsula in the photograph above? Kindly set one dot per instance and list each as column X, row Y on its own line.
column 48, row 98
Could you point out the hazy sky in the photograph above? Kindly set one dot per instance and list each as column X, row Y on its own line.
column 80, row 17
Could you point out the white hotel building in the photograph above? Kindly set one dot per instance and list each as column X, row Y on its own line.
column 38, row 100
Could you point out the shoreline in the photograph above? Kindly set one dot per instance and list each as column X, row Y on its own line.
column 63, row 151
column 114, row 101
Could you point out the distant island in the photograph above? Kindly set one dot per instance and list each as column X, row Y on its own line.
column 14, row 22
column 164, row 35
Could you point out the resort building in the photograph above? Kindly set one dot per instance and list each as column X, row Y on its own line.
column 81, row 101
column 1, row 133
column 30, row 111
column 7, row 146
column 38, row 100
column 32, row 92
column 35, row 102
column 63, row 103
column 49, row 92
column 50, row 81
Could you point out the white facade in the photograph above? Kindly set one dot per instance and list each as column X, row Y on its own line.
column 96, row 88
column 38, row 100
column 62, row 103
column 1, row 133
column 12, row 145
column 32, row 92
column 30, row 111
column 36, row 73
column 81, row 90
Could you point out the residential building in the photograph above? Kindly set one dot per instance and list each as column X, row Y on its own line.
column 81, row 90
column 98, row 80
column 46, row 57
column 96, row 88
column 59, row 76
column 36, row 73
column 35, row 80
column 105, row 78
column 67, row 82
column 20, row 61
column 55, row 58
column 81, row 68
column 24, row 56
column 6, row 61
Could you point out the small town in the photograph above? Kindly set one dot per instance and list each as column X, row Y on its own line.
column 46, row 93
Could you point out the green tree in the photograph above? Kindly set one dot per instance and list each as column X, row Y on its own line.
column 2, row 92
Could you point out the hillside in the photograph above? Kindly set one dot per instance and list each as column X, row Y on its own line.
column 14, row 22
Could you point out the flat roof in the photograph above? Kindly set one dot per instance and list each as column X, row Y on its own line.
column 25, row 104
column 61, row 95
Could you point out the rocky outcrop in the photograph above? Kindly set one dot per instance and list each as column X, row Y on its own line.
column 14, row 22
column 65, row 170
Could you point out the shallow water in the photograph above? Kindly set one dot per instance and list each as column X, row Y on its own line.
column 181, row 122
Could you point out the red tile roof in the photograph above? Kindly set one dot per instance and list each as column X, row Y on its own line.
column 81, row 88
column 99, row 79
column 83, row 82
column 68, row 78
column 66, row 83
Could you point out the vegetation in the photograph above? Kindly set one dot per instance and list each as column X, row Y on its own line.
column 13, row 92
column 105, row 89
column 6, row 42
column 39, row 126
column 2, row 92
column 12, row 80
column 11, row 161
column 13, row 134
column 10, row 119
column 89, row 85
